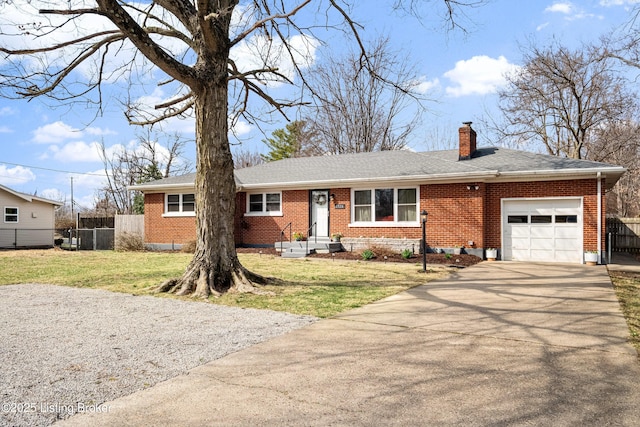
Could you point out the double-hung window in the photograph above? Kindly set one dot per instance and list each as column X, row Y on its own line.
column 178, row 204
column 264, row 204
column 10, row 214
column 385, row 205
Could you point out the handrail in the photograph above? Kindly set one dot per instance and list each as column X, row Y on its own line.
column 315, row 237
column 282, row 234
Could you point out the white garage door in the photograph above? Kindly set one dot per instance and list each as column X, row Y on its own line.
column 542, row 230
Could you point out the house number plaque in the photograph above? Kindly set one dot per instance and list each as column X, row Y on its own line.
column 339, row 206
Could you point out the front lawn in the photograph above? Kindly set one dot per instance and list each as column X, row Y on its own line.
column 627, row 287
column 320, row 288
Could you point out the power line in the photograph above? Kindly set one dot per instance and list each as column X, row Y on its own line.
column 52, row 170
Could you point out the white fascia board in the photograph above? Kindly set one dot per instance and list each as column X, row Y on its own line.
column 613, row 172
column 357, row 182
column 149, row 188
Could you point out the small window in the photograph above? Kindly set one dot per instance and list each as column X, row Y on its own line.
column 540, row 219
column 267, row 203
column 362, row 206
column 10, row 214
column 518, row 219
column 255, row 203
column 407, row 205
column 273, row 202
column 173, row 203
column 566, row 219
column 188, row 203
column 179, row 203
column 384, row 204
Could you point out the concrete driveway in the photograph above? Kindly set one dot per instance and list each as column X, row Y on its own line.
column 495, row 344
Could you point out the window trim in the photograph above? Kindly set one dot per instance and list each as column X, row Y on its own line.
column 181, row 211
column 17, row 214
column 382, row 224
column 264, row 211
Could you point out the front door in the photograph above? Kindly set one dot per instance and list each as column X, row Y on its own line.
column 320, row 212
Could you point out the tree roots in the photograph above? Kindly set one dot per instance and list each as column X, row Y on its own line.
column 202, row 282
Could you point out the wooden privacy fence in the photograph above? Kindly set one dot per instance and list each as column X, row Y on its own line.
column 131, row 224
column 625, row 234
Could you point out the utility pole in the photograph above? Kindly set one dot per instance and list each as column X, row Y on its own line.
column 71, row 197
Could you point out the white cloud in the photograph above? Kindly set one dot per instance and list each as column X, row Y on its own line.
column 542, row 26
column 15, row 175
column 92, row 180
column 53, row 194
column 607, row 3
column 241, row 128
column 423, row 86
column 7, row 111
column 571, row 12
column 262, row 52
column 479, row 75
column 76, row 151
column 99, row 131
column 5, row 129
column 55, row 133
column 565, row 8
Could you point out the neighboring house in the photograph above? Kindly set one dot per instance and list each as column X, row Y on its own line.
column 27, row 221
column 532, row 207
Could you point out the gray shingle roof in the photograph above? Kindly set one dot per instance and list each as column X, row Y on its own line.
column 486, row 163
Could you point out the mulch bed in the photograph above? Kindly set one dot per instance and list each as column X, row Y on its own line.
column 462, row 260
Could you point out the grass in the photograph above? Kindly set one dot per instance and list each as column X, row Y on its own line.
column 627, row 287
column 320, row 288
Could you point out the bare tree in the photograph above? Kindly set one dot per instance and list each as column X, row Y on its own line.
column 146, row 161
column 360, row 109
column 244, row 158
column 560, row 97
column 619, row 143
column 188, row 44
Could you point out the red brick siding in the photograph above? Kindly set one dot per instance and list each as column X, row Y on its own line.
column 264, row 230
column 457, row 215
column 159, row 229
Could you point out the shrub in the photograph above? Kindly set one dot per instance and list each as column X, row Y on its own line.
column 448, row 256
column 367, row 254
column 129, row 242
column 189, row 247
column 407, row 253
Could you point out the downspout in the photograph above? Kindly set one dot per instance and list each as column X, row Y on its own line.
column 598, row 179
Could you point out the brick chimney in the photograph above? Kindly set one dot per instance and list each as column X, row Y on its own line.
column 467, row 144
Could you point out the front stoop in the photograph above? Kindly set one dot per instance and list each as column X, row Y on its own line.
column 298, row 249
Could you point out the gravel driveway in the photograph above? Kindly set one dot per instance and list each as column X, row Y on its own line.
column 66, row 350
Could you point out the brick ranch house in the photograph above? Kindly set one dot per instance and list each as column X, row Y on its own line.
column 531, row 207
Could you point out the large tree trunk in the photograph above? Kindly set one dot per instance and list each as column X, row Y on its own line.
column 215, row 267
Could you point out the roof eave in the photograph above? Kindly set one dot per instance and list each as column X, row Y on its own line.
column 333, row 183
column 611, row 174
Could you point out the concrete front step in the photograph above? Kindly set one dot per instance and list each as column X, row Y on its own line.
column 296, row 253
column 320, row 246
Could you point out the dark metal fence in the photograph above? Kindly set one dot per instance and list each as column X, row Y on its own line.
column 97, row 239
column 624, row 234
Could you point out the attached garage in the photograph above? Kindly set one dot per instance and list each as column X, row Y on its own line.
column 548, row 230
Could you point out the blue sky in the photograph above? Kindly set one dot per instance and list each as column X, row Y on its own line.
column 42, row 147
